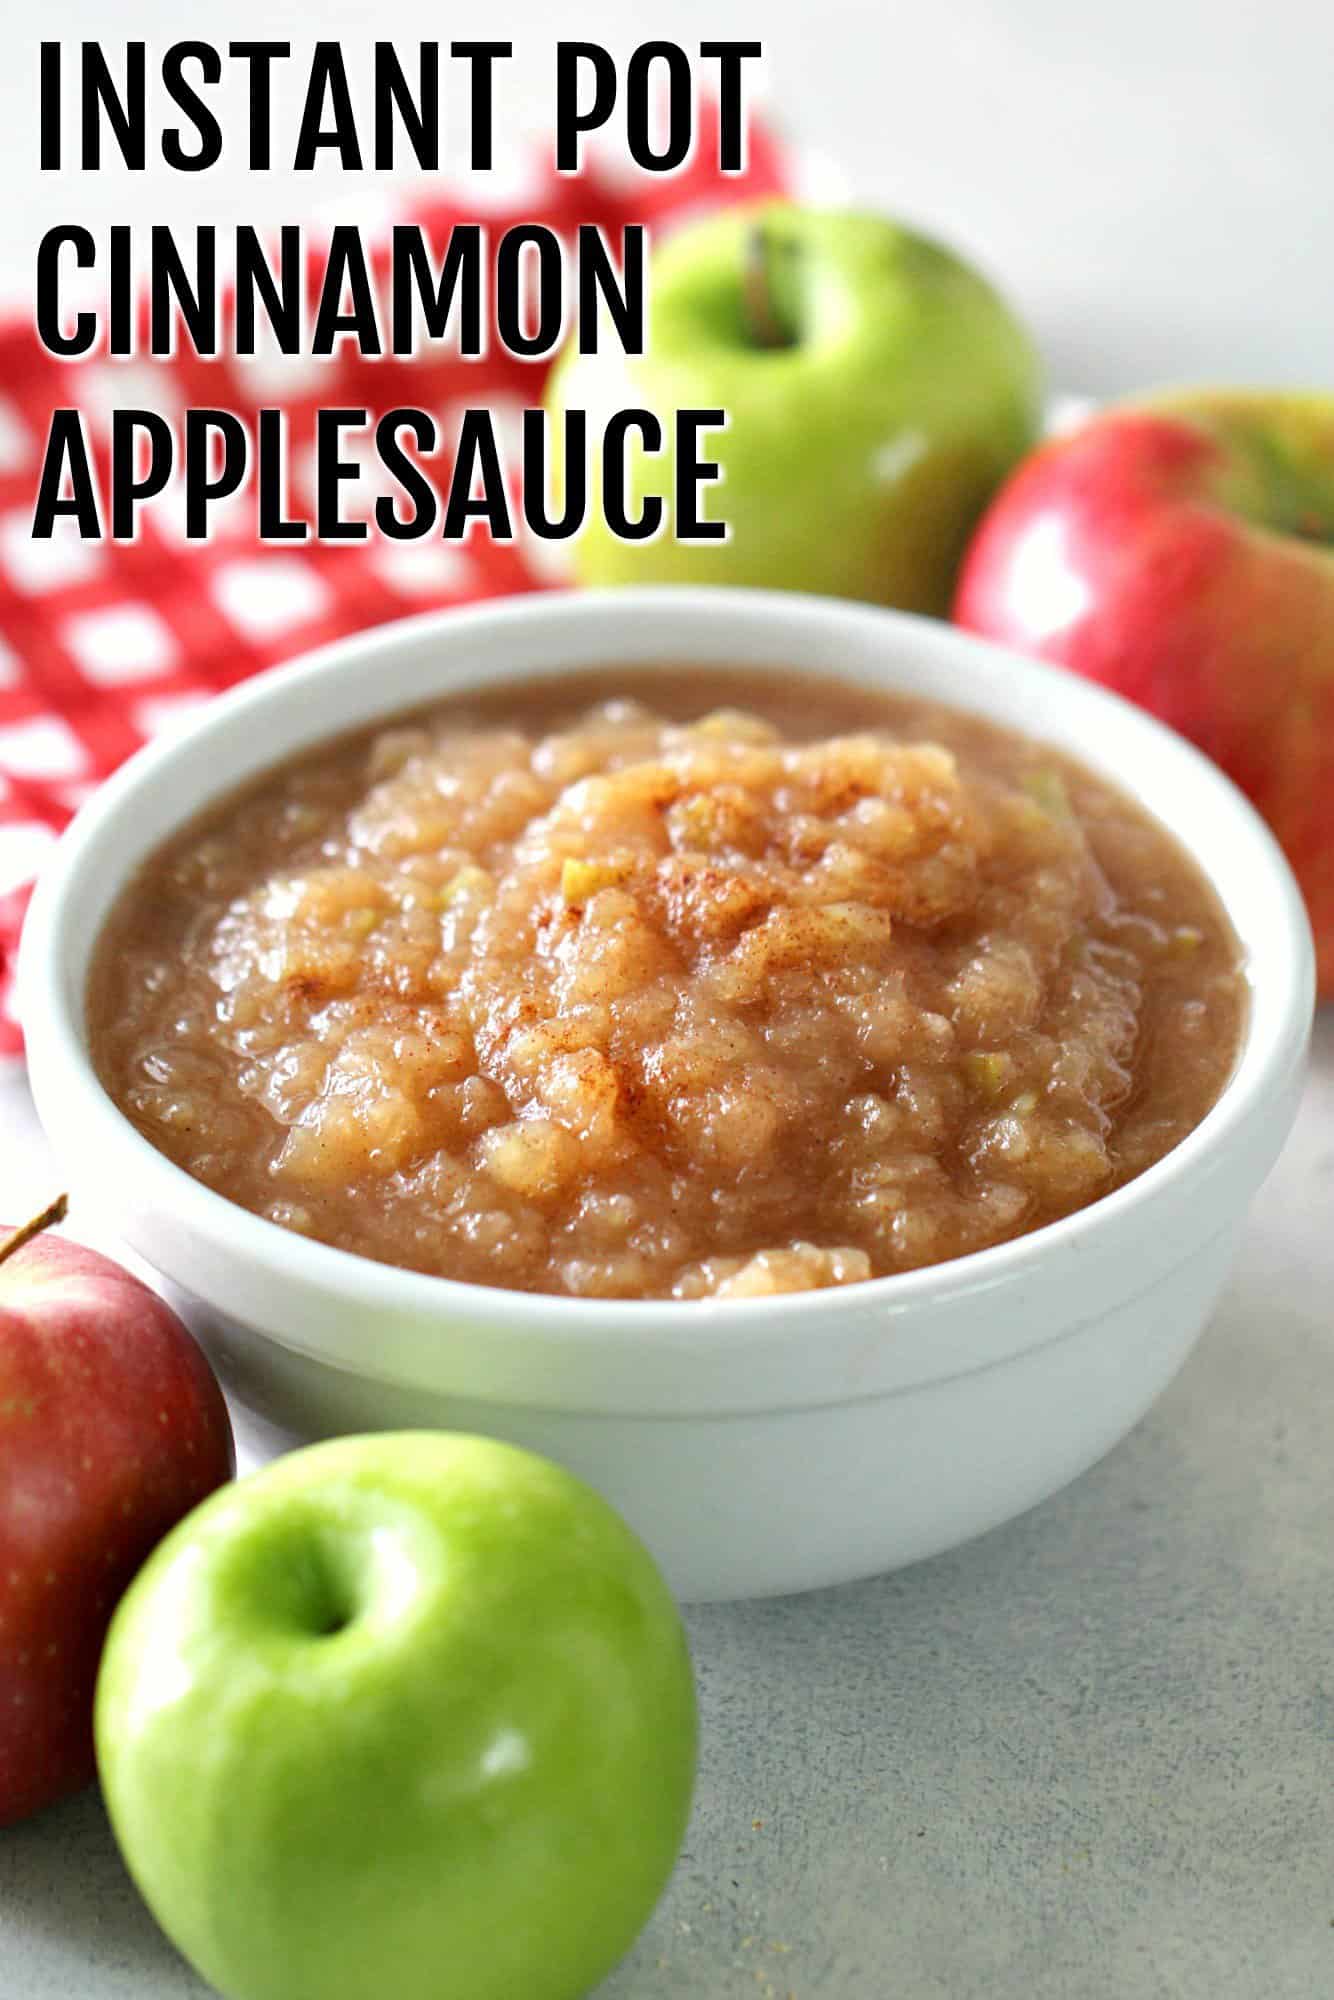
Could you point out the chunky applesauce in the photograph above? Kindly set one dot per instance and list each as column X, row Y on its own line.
column 748, row 984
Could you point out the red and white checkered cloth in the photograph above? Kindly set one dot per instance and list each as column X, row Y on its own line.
column 104, row 643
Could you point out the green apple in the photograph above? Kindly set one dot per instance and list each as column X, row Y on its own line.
column 877, row 390
column 407, row 1715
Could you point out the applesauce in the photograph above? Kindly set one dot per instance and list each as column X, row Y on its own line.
column 750, row 983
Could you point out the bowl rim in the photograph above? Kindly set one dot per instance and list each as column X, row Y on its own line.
column 1271, row 1052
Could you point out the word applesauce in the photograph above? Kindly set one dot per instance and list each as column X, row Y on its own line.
column 674, row 984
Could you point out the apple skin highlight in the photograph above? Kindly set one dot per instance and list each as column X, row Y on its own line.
column 1182, row 554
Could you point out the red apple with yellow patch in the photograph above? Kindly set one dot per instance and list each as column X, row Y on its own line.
column 1181, row 551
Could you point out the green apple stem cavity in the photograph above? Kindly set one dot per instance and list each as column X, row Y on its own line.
column 768, row 323
column 54, row 1212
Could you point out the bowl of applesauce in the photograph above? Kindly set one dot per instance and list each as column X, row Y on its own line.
column 797, row 1065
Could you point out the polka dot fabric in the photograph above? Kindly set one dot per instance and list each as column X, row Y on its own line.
column 103, row 644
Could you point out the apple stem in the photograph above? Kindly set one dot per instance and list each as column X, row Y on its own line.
column 763, row 324
column 55, row 1211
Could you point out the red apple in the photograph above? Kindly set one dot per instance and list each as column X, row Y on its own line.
column 1182, row 552
column 111, row 1428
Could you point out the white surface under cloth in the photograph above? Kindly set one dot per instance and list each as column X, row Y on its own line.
column 1089, row 1757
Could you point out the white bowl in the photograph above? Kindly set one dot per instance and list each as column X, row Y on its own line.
column 757, row 1446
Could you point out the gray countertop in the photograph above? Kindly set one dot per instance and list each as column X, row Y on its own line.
column 1089, row 1757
